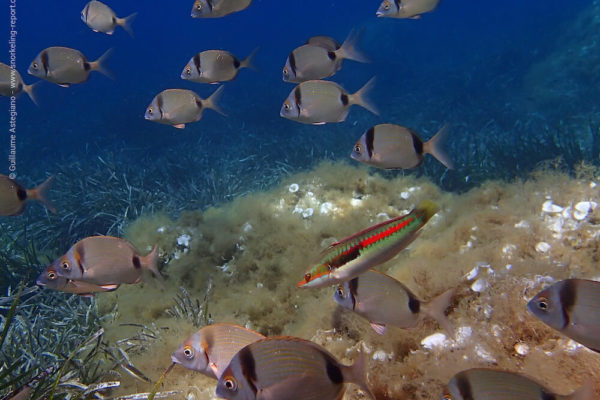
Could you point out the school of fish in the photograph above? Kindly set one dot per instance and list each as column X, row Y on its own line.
column 246, row 364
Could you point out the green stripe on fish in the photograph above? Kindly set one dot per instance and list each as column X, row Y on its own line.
column 350, row 257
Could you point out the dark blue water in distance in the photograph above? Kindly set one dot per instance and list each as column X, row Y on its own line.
column 457, row 64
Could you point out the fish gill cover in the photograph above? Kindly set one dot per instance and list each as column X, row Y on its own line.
column 241, row 205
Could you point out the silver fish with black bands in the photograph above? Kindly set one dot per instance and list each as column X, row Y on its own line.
column 490, row 384
column 572, row 307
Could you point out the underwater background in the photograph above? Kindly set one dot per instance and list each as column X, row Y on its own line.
column 517, row 82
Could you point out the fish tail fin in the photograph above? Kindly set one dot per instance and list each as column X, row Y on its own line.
column 29, row 89
column 213, row 101
column 427, row 209
column 99, row 66
column 357, row 373
column 125, row 23
column 360, row 97
column 151, row 262
column 435, row 147
column 436, row 308
column 349, row 50
column 585, row 392
column 248, row 62
column 39, row 193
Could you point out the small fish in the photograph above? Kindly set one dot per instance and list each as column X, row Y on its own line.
column 49, row 279
column 326, row 42
column 350, row 257
column 177, row 107
column 210, row 349
column 393, row 146
column 384, row 301
column 104, row 260
column 288, row 368
column 65, row 66
column 319, row 102
column 489, row 384
column 572, row 307
column 406, row 8
column 11, row 83
column 214, row 66
column 310, row 62
column 13, row 196
column 218, row 8
column 101, row 18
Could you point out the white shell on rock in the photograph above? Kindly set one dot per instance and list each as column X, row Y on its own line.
column 542, row 247
column 550, row 207
column 435, row 340
column 294, row 187
column 405, row 195
column 307, row 213
column 583, row 208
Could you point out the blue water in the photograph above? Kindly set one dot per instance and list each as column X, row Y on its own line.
column 461, row 64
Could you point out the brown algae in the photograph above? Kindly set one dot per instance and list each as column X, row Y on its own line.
column 497, row 245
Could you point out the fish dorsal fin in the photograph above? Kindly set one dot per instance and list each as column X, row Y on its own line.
column 364, row 231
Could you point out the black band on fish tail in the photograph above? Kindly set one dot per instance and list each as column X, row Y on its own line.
column 199, row 103
column 333, row 371
column 248, row 367
column 413, row 304
column 417, row 142
column 344, row 98
column 44, row 60
column 370, row 139
column 236, row 63
column 292, row 59
column 568, row 297
column 21, row 194
column 136, row 262
column 197, row 62
column 464, row 387
column 546, row 396
column 331, row 55
column 87, row 66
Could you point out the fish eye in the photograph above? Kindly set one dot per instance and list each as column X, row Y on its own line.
column 307, row 277
column 150, row 110
column 340, row 291
column 286, row 106
column 199, row 7
column 188, row 70
column 542, row 304
column 386, row 5
column 34, row 65
column 65, row 265
column 230, row 383
column 188, row 352
column 285, row 72
column 447, row 396
column 51, row 275
column 357, row 148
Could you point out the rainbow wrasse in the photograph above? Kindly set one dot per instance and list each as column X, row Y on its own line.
column 348, row 258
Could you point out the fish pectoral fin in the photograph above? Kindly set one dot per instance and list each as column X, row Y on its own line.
column 319, row 123
column 415, row 17
column 65, row 85
column 179, row 126
column 111, row 287
column 214, row 368
column 378, row 328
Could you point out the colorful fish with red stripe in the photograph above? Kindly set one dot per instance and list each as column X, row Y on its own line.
column 348, row 258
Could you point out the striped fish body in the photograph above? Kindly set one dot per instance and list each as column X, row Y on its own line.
column 572, row 307
column 104, row 260
column 287, row 368
column 406, row 8
column 212, row 66
column 489, row 384
column 350, row 257
column 49, row 279
column 218, row 8
column 210, row 349
column 61, row 65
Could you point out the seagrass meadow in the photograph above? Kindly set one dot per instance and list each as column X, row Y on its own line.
column 241, row 206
